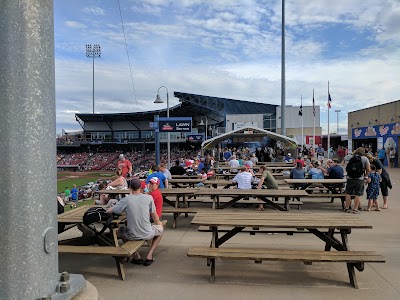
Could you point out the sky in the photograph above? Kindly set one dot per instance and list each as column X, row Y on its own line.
column 225, row 48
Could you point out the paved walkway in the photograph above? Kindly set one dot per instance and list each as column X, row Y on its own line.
column 175, row 276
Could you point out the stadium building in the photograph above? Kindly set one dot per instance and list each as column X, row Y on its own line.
column 376, row 127
column 211, row 117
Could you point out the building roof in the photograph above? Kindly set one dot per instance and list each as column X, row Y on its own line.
column 190, row 105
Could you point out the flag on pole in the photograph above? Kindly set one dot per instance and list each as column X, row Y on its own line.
column 301, row 110
column 329, row 100
column 313, row 105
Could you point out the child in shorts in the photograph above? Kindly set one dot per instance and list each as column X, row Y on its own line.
column 373, row 180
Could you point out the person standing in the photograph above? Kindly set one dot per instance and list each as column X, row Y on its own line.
column 392, row 156
column 340, row 154
column 357, row 170
column 74, row 196
column 382, row 155
column 320, row 153
column 125, row 165
column 67, row 193
column 373, row 188
column 385, row 183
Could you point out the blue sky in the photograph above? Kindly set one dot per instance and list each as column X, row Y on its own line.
column 227, row 49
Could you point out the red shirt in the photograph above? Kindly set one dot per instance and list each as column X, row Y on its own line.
column 124, row 165
column 340, row 152
column 303, row 164
column 158, row 201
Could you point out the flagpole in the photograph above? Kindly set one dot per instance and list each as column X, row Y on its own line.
column 329, row 137
column 302, row 135
column 313, row 101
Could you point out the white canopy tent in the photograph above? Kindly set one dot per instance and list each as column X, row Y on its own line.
column 250, row 132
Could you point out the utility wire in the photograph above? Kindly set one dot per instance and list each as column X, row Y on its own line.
column 127, row 53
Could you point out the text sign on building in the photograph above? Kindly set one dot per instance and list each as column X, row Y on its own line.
column 175, row 124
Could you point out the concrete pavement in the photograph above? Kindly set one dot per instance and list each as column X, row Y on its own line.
column 176, row 276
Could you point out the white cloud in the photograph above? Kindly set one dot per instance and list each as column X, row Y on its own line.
column 74, row 24
column 94, row 10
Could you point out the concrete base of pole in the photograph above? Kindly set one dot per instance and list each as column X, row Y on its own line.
column 88, row 293
column 70, row 285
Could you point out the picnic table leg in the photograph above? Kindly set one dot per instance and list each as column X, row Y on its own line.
column 212, row 275
column 120, row 267
column 330, row 234
column 352, row 275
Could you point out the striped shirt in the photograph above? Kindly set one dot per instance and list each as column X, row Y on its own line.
column 243, row 180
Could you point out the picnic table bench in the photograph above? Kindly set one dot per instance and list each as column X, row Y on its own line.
column 322, row 225
column 98, row 244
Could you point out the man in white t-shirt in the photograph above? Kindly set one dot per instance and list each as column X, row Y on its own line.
column 234, row 164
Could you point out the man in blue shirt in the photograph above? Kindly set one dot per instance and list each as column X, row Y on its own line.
column 227, row 154
column 382, row 155
column 161, row 177
column 74, row 196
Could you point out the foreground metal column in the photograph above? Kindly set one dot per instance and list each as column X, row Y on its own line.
column 28, row 239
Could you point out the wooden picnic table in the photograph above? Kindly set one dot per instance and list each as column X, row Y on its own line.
column 323, row 225
column 238, row 168
column 262, row 194
column 226, row 184
column 180, row 182
column 178, row 193
column 335, row 186
column 185, row 176
column 231, row 175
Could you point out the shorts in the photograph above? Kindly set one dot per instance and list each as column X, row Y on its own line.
column 384, row 187
column 156, row 230
column 354, row 187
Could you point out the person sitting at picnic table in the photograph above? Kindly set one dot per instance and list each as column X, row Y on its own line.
column 137, row 207
column 298, row 172
column 234, row 164
column 268, row 179
column 243, row 179
column 299, row 160
column 118, row 183
column 333, row 170
column 177, row 169
column 165, row 171
column 155, row 192
column 288, row 158
column 316, row 171
column 156, row 173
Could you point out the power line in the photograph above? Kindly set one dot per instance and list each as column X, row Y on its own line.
column 127, row 53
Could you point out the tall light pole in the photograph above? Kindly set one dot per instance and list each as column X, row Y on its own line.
column 92, row 52
column 202, row 123
column 158, row 100
column 337, row 111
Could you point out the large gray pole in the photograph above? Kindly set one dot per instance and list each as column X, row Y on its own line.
column 28, row 243
column 283, row 95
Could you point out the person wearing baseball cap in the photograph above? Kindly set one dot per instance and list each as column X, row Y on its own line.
column 137, row 207
column 156, row 194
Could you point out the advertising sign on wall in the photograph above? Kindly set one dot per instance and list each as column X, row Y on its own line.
column 175, row 124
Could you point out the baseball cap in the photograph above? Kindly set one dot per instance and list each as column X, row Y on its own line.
column 154, row 180
column 121, row 156
column 135, row 183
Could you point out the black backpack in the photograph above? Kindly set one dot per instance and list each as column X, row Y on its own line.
column 97, row 215
column 355, row 168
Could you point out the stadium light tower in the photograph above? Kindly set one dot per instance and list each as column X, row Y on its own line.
column 158, row 100
column 93, row 51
